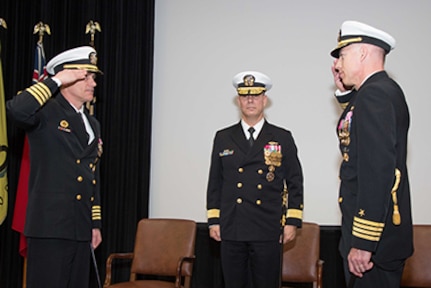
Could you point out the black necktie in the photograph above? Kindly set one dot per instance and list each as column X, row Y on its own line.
column 85, row 128
column 251, row 139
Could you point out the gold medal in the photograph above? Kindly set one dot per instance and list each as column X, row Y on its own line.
column 270, row 176
column 346, row 156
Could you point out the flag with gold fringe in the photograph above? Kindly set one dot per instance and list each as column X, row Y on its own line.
column 18, row 222
column 3, row 150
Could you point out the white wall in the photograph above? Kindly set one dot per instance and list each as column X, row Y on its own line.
column 200, row 45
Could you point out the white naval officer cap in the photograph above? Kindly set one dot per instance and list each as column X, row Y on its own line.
column 84, row 57
column 356, row 32
column 251, row 83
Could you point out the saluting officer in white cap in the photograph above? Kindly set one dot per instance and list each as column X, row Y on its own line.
column 64, row 208
column 372, row 131
column 251, row 160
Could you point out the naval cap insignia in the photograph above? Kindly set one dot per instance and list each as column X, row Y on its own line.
column 248, row 80
column 93, row 58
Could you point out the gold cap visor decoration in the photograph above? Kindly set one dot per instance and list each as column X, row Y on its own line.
column 251, row 83
column 352, row 32
column 84, row 57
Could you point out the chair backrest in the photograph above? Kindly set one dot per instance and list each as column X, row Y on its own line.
column 159, row 245
column 301, row 256
column 417, row 272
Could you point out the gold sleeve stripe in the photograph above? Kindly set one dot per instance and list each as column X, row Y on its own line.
column 367, row 232
column 366, row 237
column 368, row 222
column 213, row 213
column 294, row 213
column 35, row 94
column 366, row 227
column 43, row 89
column 97, row 213
column 40, row 92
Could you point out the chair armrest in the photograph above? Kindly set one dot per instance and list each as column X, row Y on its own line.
column 109, row 265
column 181, row 261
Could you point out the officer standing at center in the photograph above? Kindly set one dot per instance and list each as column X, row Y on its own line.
column 252, row 163
column 63, row 219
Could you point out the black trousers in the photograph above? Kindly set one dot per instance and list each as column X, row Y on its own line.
column 255, row 261
column 377, row 277
column 57, row 263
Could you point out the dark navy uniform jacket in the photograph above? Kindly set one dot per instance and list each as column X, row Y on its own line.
column 373, row 141
column 240, row 197
column 64, row 194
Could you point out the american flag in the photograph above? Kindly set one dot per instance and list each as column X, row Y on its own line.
column 19, row 214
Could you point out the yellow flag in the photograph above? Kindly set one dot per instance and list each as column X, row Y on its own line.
column 3, row 150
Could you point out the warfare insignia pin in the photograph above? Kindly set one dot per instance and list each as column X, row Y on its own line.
column 64, row 126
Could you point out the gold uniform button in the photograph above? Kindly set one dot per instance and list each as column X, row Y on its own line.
column 259, row 186
column 94, row 181
column 260, row 171
column 340, row 200
column 239, row 185
column 92, row 199
column 78, row 161
column 78, row 197
column 240, row 170
column 79, row 178
column 239, row 200
column 91, row 165
column 258, row 202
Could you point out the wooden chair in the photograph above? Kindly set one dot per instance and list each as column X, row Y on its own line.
column 417, row 271
column 301, row 262
column 163, row 247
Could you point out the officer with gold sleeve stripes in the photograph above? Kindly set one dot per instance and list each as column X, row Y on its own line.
column 376, row 230
column 63, row 221
column 252, row 163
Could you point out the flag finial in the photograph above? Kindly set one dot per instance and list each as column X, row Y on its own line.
column 3, row 23
column 41, row 28
column 92, row 27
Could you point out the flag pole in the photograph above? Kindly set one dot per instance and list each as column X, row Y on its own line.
column 3, row 145
column 92, row 27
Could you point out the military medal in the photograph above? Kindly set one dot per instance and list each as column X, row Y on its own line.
column 272, row 155
column 344, row 132
column 270, row 175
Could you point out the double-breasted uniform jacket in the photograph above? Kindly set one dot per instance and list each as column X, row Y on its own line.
column 64, row 193
column 374, row 190
column 243, row 195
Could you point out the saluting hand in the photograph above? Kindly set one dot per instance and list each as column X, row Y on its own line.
column 70, row 76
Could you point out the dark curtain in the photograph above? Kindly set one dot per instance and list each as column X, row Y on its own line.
column 123, row 107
